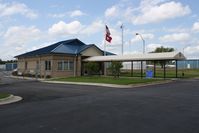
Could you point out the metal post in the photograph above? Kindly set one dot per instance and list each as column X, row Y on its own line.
column 141, row 69
column 143, row 46
column 122, row 28
column 74, row 73
column 131, row 68
column 105, row 52
column 164, row 69
column 142, row 41
column 176, row 69
column 154, row 69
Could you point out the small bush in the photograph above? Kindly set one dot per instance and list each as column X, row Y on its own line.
column 48, row 76
column 14, row 73
column 92, row 68
column 115, row 68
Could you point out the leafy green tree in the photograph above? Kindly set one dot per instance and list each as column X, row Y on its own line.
column 8, row 61
column 115, row 68
column 1, row 62
column 92, row 68
column 160, row 50
column 163, row 49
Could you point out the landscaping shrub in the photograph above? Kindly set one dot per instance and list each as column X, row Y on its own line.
column 115, row 68
column 92, row 68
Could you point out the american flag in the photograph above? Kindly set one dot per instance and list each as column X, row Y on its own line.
column 108, row 37
column 107, row 31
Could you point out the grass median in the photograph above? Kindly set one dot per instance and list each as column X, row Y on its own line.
column 4, row 95
column 108, row 80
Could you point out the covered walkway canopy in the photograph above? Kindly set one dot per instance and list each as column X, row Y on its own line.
column 164, row 56
column 138, row 57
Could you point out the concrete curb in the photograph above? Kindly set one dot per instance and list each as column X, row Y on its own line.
column 108, row 85
column 4, row 99
column 25, row 78
column 10, row 99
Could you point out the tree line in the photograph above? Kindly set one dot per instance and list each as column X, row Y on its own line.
column 8, row 61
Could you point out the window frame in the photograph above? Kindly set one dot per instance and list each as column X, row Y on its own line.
column 65, row 65
column 48, row 66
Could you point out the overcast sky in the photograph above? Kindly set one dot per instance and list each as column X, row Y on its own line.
column 26, row 25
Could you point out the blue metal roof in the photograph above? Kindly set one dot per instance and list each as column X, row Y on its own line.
column 72, row 47
column 65, row 47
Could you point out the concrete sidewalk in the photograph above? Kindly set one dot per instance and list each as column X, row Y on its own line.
column 10, row 99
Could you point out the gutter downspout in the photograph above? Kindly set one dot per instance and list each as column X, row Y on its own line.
column 75, row 64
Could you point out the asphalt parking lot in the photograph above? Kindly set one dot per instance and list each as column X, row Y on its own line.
column 58, row 108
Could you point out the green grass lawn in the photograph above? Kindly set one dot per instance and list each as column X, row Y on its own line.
column 4, row 95
column 107, row 80
column 126, row 78
column 170, row 73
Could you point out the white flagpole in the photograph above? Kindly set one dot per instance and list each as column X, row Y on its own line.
column 105, row 41
column 105, row 50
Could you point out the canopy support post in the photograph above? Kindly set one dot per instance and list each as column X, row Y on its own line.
column 141, row 69
column 131, row 68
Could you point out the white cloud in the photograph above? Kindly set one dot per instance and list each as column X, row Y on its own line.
column 17, row 39
column 179, row 29
column 41, row 45
column 176, row 37
column 112, row 11
column 76, row 28
column 116, row 37
column 195, row 27
column 60, row 15
column 146, row 36
column 76, row 13
column 149, row 11
column 9, row 9
column 151, row 47
column 94, row 27
column 132, row 52
column 192, row 51
column 20, row 35
column 156, row 12
column 62, row 28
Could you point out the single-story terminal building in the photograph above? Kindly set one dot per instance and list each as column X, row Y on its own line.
column 61, row 59
column 67, row 58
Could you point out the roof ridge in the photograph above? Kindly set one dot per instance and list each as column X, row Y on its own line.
column 57, row 47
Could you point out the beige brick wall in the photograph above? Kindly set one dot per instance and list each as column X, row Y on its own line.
column 33, row 67
column 54, row 72
column 61, row 73
column 93, row 51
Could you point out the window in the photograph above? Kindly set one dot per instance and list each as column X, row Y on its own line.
column 71, row 65
column 65, row 65
column 59, row 65
column 47, row 65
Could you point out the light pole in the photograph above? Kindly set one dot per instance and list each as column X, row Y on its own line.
column 122, row 28
column 137, row 34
